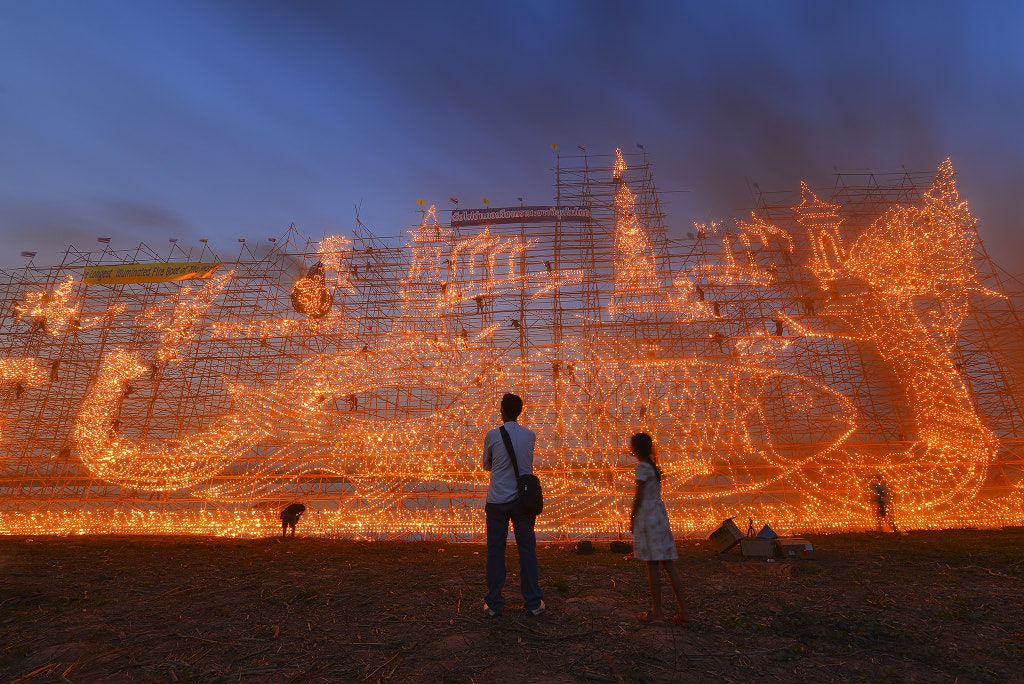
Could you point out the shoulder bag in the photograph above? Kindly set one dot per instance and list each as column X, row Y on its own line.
column 531, row 499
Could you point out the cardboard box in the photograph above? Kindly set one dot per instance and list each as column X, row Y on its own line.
column 758, row 548
column 795, row 548
column 726, row 536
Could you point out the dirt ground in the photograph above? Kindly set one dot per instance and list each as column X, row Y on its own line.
column 930, row 607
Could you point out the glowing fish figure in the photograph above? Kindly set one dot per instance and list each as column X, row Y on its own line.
column 711, row 422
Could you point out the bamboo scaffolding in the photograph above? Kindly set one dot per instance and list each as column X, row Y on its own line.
column 776, row 361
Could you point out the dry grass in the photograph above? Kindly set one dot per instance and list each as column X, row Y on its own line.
column 932, row 607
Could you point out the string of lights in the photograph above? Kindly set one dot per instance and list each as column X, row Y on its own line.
column 780, row 363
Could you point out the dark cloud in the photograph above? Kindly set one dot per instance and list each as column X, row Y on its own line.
column 47, row 229
column 127, row 214
column 235, row 119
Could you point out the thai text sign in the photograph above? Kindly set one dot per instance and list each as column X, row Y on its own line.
column 147, row 273
column 479, row 217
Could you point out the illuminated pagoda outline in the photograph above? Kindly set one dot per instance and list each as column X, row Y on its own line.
column 781, row 362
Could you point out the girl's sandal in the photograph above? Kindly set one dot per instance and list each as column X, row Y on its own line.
column 645, row 617
column 680, row 620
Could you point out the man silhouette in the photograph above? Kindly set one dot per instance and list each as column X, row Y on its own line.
column 503, row 506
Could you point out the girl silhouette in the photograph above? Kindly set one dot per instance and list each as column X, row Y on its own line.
column 652, row 537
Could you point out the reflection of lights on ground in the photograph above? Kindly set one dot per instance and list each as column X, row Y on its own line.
column 360, row 378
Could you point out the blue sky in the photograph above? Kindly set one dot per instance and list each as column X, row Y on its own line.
column 226, row 120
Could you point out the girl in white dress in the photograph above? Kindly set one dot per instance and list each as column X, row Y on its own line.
column 652, row 537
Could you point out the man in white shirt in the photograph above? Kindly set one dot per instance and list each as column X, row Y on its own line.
column 503, row 506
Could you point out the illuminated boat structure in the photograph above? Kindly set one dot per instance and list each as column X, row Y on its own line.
column 390, row 399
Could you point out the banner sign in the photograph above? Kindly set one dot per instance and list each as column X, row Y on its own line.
column 479, row 217
column 147, row 273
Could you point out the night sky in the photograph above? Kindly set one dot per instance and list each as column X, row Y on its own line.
column 224, row 120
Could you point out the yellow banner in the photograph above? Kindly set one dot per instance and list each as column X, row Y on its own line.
column 147, row 273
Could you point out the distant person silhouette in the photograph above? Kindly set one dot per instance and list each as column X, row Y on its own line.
column 290, row 516
column 880, row 495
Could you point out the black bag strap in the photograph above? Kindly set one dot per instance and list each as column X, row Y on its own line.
column 511, row 452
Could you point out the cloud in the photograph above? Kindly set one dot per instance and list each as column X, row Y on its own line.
column 134, row 215
column 45, row 228
column 239, row 118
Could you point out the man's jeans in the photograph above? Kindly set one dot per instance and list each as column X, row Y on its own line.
column 498, row 516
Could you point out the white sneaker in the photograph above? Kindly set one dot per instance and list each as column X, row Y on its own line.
column 538, row 610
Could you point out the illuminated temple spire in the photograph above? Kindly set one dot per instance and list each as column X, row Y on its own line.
column 822, row 222
column 638, row 285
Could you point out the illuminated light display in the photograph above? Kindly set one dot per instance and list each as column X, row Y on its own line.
column 24, row 370
column 780, row 363
column 170, row 465
column 19, row 374
column 311, row 296
column 914, row 252
column 637, row 284
column 50, row 313
column 178, row 318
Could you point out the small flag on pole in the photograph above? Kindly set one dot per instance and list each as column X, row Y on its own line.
column 172, row 239
column 581, row 148
column 484, row 200
column 29, row 255
column 640, row 146
column 554, row 146
column 271, row 239
column 105, row 241
column 422, row 203
column 241, row 239
column 454, row 200
column 203, row 240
